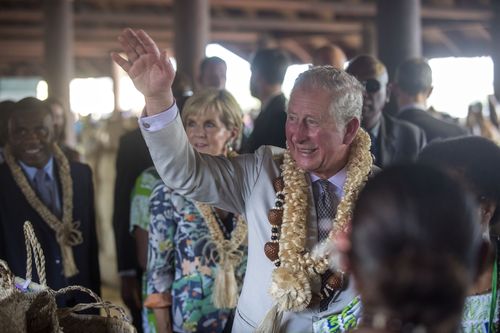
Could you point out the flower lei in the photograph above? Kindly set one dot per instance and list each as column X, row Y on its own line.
column 291, row 281
column 225, row 293
column 67, row 233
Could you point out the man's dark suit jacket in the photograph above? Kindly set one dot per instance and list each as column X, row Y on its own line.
column 398, row 142
column 133, row 158
column 269, row 127
column 15, row 210
column 434, row 128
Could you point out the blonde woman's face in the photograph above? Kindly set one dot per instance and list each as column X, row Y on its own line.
column 207, row 133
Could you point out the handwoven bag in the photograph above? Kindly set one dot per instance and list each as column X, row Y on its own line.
column 26, row 307
column 73, row 322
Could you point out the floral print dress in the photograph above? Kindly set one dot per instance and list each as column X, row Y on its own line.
column 476, row 315
column 139, row 218
column 181, row 266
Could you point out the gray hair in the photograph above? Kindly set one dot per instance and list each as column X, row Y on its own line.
column 346, row 92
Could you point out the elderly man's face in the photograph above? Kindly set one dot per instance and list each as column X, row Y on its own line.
column 31, row 135
column 315, row 141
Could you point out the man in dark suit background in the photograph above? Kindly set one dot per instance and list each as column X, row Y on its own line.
column 212, row 73
column 413, row 86
column 393, row 141
column 132, row 158
column 268, row 72
column 40, row 185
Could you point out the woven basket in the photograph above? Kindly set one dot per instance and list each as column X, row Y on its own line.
column 73, row 322
column 31, row 312
column 31, row 308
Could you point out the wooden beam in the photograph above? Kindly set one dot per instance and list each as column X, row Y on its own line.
column 359, row 10
column 311, row 6
column 440, row 37
column 16, row 15
column 110, row 34
column 284, row 25
column 453, row 14
column 295, row 48
column 122, row 20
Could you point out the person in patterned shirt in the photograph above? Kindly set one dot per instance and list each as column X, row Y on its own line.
column 182, row 254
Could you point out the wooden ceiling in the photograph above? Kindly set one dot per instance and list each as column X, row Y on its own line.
column 450, row 28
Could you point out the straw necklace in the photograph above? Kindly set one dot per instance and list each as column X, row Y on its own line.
column 66, row 231
column 225, row 293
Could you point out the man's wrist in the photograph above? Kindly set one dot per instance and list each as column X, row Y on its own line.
column 158, row 104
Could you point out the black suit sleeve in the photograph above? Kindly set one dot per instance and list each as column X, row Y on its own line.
column 277, row 136
column 95, row 273
column 269, row 126
column 125, row 178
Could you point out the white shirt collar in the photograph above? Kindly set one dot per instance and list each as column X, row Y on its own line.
column 337, row 180
column 31, row 171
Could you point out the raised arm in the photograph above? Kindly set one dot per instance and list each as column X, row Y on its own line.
column 149, row 68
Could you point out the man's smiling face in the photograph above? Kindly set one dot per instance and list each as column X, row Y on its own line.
column 31, row 136
column 315, row 140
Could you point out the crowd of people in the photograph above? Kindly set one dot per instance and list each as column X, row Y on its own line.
column 332, row 215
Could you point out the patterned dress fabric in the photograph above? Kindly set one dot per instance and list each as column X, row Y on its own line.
column 181, row 263
column 476, row 316
column 344, row 321
column 139, row 218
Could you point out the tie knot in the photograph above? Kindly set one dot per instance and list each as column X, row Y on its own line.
column 324, row 184
column 41, row 175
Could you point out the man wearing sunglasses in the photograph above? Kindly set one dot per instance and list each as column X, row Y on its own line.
column 412, row 86
column 393, row 141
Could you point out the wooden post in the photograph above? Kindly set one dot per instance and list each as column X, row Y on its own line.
column 59, row 55
column 399, row 30
column 495, row 47
column 191, row 31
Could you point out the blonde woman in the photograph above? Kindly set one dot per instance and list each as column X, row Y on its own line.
column 196, row 253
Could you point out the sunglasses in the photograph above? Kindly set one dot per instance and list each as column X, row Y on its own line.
column 371, row 85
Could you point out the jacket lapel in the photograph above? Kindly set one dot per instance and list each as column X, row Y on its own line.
column 387, row 143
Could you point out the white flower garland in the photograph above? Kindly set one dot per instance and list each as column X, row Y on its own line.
column 291, row 282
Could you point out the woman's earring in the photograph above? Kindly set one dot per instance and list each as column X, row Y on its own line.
column 229, row 145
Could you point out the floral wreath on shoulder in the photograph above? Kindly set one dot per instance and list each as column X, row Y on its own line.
column 296, row 267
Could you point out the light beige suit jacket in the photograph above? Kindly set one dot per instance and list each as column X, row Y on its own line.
column 241, row 185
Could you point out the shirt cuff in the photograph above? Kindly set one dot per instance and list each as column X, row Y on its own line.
column 158, row 121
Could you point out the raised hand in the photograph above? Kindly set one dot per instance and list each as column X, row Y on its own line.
column 148, row 67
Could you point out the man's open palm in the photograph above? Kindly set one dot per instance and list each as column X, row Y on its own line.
column 148, row 67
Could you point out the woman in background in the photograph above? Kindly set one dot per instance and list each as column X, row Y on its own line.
column 196, row 253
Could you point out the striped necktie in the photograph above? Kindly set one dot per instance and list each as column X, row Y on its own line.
column 326, row 207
